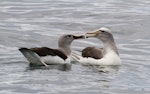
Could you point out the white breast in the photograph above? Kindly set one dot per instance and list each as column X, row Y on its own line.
column 111, row 58
column 55, row 60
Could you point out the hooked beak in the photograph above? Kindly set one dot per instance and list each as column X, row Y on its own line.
column 79, row 36
column 92, row 34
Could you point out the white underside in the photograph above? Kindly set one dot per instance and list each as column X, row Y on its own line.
column 110, row 58
column 54, row 60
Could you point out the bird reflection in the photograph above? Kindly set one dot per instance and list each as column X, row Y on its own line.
column 103, row 69
column 63, row 67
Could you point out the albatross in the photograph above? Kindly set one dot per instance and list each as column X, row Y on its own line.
column 108, row 55
column 46, row 56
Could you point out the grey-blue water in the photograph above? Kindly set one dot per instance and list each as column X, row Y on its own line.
column 36, row 23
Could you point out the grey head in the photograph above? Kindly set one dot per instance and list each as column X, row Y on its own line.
column 65, row 41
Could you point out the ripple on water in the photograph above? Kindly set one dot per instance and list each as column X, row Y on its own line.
column 32, row 23
column 9, row 54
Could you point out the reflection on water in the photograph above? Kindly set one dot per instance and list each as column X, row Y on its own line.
column 103, row 69
column 32, row 23
column 64, row 67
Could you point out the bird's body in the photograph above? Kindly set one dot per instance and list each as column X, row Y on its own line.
column 110, row 58
column 108, row 55
column 45, row 55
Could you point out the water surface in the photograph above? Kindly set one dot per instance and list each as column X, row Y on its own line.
column 32, row 23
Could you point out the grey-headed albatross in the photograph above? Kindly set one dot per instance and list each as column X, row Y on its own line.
column 45, row 55
column 108, row 55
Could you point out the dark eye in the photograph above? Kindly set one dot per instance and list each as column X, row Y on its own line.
column 102, row 31
column 69, row 36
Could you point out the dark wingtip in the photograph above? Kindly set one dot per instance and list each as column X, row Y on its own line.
column 22, row 49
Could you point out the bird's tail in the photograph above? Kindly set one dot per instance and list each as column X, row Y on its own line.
column 32, row 57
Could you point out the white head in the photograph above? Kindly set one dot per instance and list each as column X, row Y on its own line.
column 103, row 34
column 105, row 29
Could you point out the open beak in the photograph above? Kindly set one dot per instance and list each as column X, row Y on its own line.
column 92, row 34
column 79, row 36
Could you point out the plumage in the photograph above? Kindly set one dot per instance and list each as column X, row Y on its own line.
column 93, row 52
column 108, row 55
column 45, row 55
column 45, row 51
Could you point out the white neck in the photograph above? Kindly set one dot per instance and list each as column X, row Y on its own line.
column 110, row 45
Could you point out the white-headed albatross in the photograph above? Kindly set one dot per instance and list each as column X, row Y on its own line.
column 45, row 55
column 108, row 55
